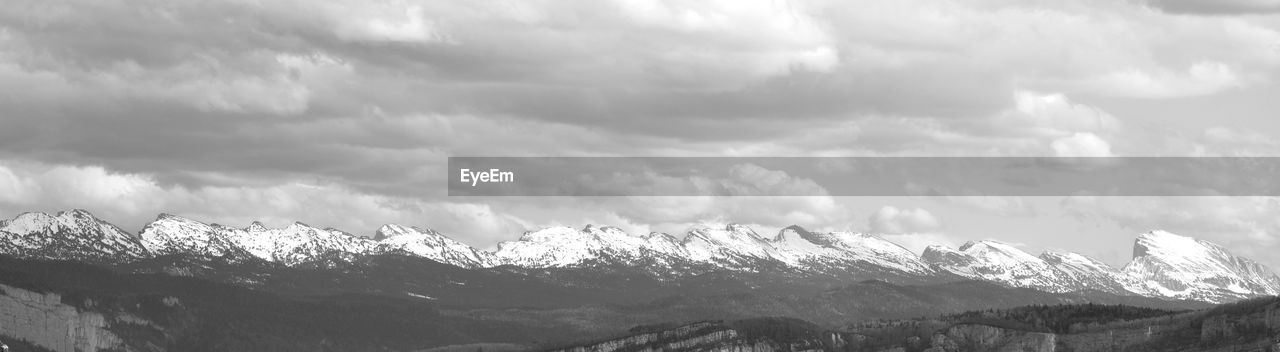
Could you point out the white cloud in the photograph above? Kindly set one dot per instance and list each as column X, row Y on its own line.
column 892, row 220
column 1200, row 78
column 128, row 199
column 1247, row 225
column 392, row 22
column 1003, row 205
column 753, row 180
column 761, row 37
column 1081, row 144
column 1055, row 115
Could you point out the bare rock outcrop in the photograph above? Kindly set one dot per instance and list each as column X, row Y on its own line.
column 42, row 319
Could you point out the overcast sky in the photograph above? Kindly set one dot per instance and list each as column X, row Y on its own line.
column 341, row 112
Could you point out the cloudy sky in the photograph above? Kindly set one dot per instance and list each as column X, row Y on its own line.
column 342, row 113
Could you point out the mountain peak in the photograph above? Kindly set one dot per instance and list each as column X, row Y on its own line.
column 738, row 228
column 662, row 235
column 942, row 255
column 393, row 230
column 72, row 234
column 29, row 222
column 1160, row 239
column 1055, row 257
column 77, row 213
column 256, row 226
column 801, row 233
column 985, row 244
column 604, row 231
column 340, row 232
column 170, row 218
column 550, row 234
column 1185, row 267
column 997, row 251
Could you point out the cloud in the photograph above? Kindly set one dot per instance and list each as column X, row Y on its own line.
column 1030, row 127
column 1246, row 224
column 1003, row 205
column 384, row 22
column 165, row 105
column 1200, row 78
column 1081, row 144
column 130, row 200
column 898, row 221
column 1218, row 7
column 751, row 194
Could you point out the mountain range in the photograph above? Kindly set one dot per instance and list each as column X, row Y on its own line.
column 1164, row 265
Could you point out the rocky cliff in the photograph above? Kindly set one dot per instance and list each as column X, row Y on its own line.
column 711, row 337
column 973, row 337
column 43, row 320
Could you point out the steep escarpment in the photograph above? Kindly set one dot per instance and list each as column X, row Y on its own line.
column 974, row 337
column 43, row 320
column 1252, row 325
column 749, row 335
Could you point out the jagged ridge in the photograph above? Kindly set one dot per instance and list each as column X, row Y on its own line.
column 1165, row 265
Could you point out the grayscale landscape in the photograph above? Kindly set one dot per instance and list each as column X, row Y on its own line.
column 640, row 175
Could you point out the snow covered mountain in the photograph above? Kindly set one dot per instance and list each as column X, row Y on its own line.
column 1085, row 273
column 846, row 251
column 1165, row 265
column 995, row 261
column 733, row 246
column 429, row 244
column 726, row 246
column 170, row 234
column 1170, row 265
column 299, row 243
column 1052, row 271
column 592, row 246
column 74, row 234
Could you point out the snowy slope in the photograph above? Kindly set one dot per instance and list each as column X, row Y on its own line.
column 75, row 235
column 733, row 246
column 170, row 234
column 430, row 244
column 297, row 243
column 1164, row 264
column 844, row 250
column 996, row 261
column 569, row 247
column 1077, row 271
column 1171, row 265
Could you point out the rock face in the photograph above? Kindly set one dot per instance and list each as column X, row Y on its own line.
column 43, row 320
column 972, row 337
column 703, row 336
column 1170, row 265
